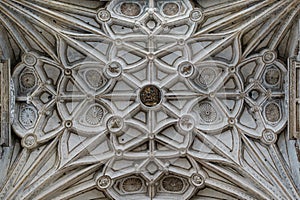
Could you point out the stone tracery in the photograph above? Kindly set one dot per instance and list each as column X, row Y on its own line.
column 89, row 89
column 153, row 104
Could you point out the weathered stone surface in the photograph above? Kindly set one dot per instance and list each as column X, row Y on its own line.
column 149, row 99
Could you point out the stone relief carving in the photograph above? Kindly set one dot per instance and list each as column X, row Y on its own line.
column 152, row 99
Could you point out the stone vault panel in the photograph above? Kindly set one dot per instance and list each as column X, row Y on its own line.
column 149, row 99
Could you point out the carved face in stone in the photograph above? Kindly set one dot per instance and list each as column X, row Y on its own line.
column 150, row 95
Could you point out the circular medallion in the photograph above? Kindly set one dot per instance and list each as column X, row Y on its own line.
column 269, row 57
column 170, row 9
column 130, row 9
column 94, row 115
column 114, row 69
column 150, row 95
column 29, row 141
column 186, row 69
column 29, row 59
column 272, row 112
column 269, row 137
column 28, row 80
column 197, row 180
column 132, row 184
column 207, row 76
column 207, row 112
column 103, row 15
column 94, row 78
column 186, row 123
column 196, row 15
column 27, row 116
column 172, row 184
column 104, row 182
column 272, row 76
column 115, row 124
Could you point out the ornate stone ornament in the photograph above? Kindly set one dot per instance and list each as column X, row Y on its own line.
column 150, row 95
column 149, row 99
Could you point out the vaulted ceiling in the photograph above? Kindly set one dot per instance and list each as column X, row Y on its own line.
column 149, row 99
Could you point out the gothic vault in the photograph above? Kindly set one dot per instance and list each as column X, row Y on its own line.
column 149, row 99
